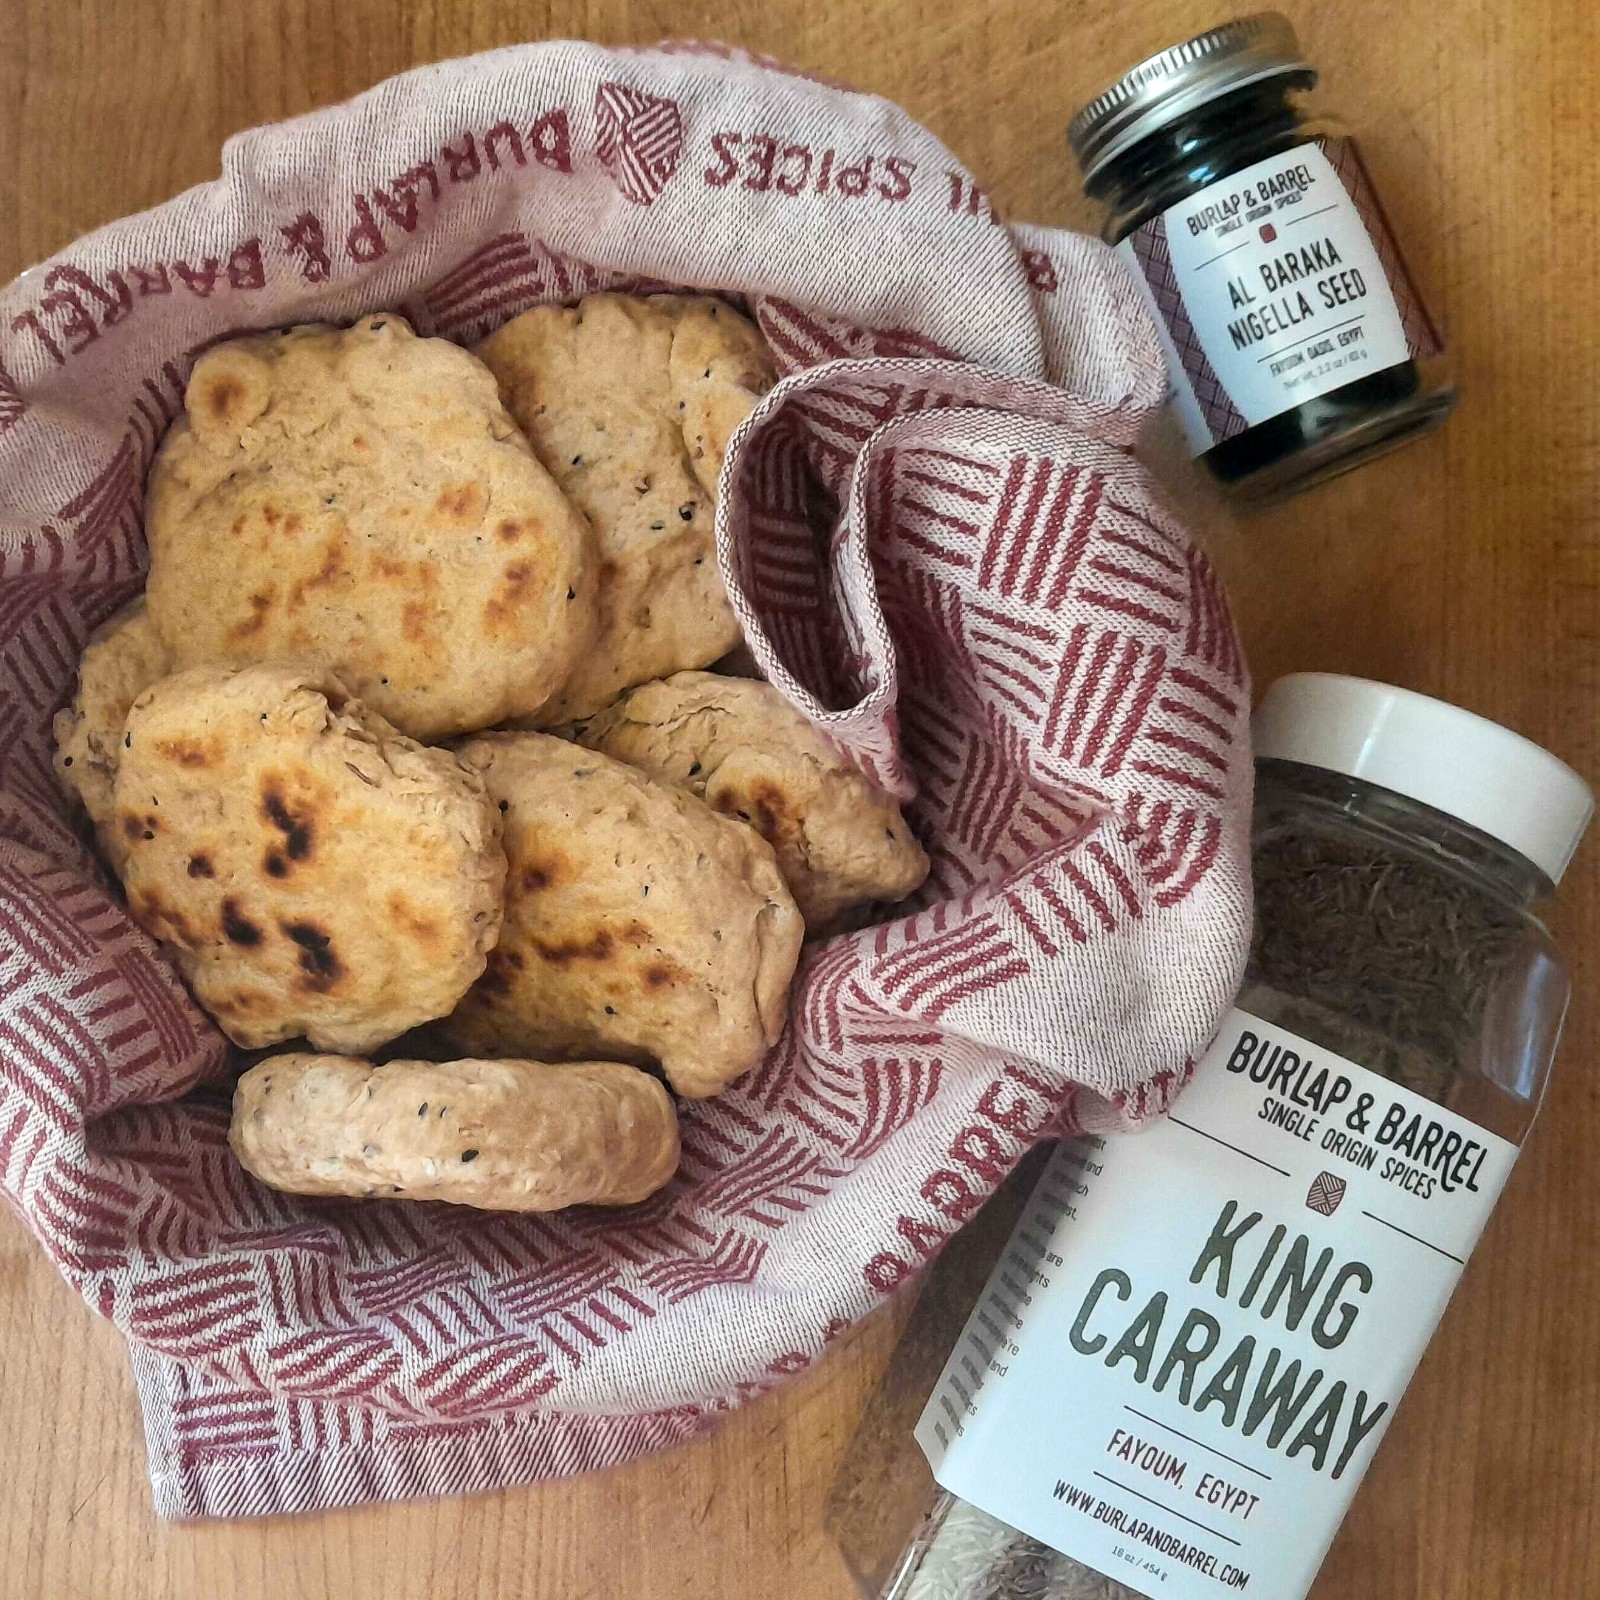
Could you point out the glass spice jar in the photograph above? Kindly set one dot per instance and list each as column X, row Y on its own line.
column 1296, row 341
column 1181, row 1365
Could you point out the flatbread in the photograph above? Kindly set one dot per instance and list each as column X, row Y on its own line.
column 629, row 402
column 719, row 368
column 639, row 925
column 501, row 1135
column 123, row 657
column 314, row 871
column 360, row 497
column 839, row 839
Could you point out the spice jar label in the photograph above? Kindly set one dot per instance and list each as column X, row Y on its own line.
column 1188, row 1352
column 1274, row 285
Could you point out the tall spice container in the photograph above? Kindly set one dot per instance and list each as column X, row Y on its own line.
column 1188, row 1351
column 1297, row 343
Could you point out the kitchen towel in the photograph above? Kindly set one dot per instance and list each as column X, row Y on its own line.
column 940, row 549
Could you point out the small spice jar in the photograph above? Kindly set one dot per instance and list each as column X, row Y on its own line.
column 1183, row 1361
column 1296, row 342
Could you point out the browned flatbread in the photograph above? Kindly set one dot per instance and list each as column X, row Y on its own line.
column 121, row 660
column 630, row 403
column 639, row 924
column 741, row 747
column 313, row 871
column 500, row 1135
column 360, row 497
column 719, row 368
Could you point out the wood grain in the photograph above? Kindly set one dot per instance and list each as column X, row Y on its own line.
column 1468, row 566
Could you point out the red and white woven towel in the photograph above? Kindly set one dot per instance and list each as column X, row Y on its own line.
column 940, row 551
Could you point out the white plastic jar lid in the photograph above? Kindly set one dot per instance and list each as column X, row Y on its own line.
column 1459, row 763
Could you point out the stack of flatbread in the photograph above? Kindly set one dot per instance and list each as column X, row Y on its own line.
column 409, row 740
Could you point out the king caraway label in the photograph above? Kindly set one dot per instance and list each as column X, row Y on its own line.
column 1273, row 286
column 1194, row 1341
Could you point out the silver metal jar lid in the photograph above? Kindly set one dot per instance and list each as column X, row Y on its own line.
column 1173, row 82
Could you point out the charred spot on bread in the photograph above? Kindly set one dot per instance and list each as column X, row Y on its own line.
column 185, row 752
column 221, row 396
column 537, row 875
column 296, row 829
column 236, row 927
column 318, row 961
column 599, row 946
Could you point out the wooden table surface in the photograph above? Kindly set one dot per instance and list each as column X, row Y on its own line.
column 1468, row 567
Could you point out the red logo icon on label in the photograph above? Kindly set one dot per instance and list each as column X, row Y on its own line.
column 1326, row 1193
column 1268, row 233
